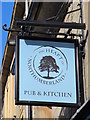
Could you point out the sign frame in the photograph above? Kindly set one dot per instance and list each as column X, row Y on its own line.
column 37, row 103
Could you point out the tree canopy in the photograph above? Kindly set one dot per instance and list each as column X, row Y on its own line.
column 48, row 63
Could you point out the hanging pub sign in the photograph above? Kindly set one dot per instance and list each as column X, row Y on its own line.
column 47, row 71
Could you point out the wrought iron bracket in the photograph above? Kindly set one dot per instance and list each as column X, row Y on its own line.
column 82, row 45
column 25, row 30
column 22, row 28
column 36, row 23
column 73, row 11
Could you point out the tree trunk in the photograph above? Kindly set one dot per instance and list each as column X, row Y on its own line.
column 48, row 72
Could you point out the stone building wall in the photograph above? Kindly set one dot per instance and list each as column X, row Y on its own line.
column 67, row 112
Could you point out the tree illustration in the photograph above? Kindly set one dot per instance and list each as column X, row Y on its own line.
column 48, row 64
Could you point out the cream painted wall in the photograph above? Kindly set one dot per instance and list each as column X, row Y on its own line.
column 41, row 112
column 88, row 51
column 10, row 110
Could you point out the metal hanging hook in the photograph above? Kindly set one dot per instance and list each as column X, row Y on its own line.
column 5, row 27
column 8, row 29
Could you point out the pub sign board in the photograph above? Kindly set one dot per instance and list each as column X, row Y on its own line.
column 47, row 71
